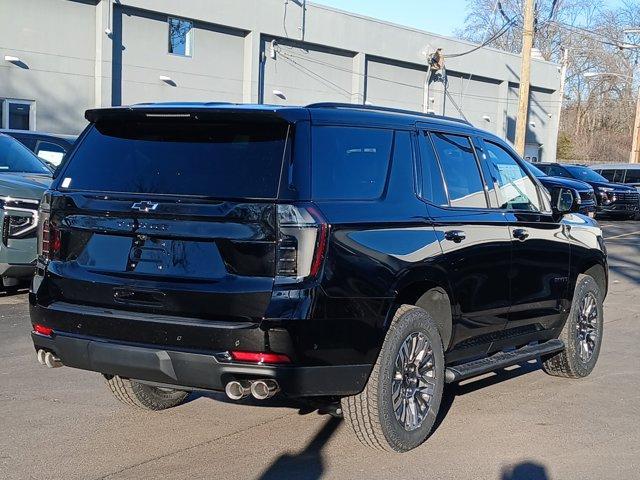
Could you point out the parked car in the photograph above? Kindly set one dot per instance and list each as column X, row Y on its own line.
column 613, row 199
column 50, row 147
column 23, row 180
column 582, row 190
column 627, row 173
column 334, row 253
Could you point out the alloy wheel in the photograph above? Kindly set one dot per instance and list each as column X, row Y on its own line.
column 587, row 327
column 414, row 381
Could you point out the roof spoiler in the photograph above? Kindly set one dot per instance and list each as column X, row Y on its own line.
column 202, row 111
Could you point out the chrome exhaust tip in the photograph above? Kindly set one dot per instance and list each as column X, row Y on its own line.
column 40, row 355
column 51, row 361
column 236, row 390
column 263, row 389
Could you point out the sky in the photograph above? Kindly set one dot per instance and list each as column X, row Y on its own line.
column 436, row 16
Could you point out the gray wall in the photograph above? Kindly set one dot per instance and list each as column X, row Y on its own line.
column 55, row 40
column 72, row 64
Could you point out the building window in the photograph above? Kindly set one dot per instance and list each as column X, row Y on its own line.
column 180, row 37
column 17, row 114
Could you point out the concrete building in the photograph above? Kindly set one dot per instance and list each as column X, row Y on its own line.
column 60, row 57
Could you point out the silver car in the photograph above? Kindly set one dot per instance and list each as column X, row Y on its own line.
column 23, row 179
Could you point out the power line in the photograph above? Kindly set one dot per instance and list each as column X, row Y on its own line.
column 553, row 8
column 593, row 33
column 290, row 56
column 504, row 29
column 446, row 92
column 502, row 12
column 494, row 13
column 347, row 70
column 316, row 76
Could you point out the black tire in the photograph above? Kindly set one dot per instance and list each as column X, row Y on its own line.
column 568, row 363
column 371, row 413
column 147, row 397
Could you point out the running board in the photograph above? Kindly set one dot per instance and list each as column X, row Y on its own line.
column 501, row 360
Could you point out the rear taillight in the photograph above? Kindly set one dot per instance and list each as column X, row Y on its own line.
column 302, row 242
column 48, row 239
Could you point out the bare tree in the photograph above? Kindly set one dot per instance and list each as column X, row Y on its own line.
column 597, row 121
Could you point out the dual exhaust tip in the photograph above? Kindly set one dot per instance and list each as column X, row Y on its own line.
column 48, row 359
column 235, row 390
column 258, row 389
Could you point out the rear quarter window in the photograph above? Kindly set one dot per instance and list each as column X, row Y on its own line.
column 350, row 163
column 633, row 176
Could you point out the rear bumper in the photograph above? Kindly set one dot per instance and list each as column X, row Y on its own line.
column 157, row 360
column 197, row 371
column 17, row 270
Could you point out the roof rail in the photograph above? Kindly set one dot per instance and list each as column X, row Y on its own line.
column 355, row 106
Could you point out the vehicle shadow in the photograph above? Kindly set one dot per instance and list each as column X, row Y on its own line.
column 450, row 393
column 525, row 471
column 309, row 463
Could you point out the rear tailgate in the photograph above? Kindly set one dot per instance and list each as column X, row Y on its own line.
column 172, row 213
column 194, row 259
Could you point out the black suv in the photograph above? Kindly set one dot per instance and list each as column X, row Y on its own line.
column 614, row 199
column 333, row 252
column 583, row 191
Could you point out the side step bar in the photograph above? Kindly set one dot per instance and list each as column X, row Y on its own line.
column 501, row 360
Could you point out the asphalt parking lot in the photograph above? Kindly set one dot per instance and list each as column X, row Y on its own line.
column 519, row 424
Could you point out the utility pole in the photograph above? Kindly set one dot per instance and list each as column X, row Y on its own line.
column 635, row 148
column 563, row 77
column 525, row 76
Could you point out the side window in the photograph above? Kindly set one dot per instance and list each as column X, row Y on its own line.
column 432, row 184
column 619, row 176
column 633, row 176
column 50, row 152
column 349, row 163
column 544, row 168
column 516, row 191
column 556, row 171
column 460, row 170
column 608, row 174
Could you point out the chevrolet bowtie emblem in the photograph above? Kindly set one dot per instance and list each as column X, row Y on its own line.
column 144, row 206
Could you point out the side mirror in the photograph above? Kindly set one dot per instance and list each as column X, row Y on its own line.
column 564, row 200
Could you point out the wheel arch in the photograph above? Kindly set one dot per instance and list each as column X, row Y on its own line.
column 599, row 273
column 433, row 297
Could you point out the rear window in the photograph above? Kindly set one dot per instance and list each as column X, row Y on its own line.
column 180, row 157
column 350, row 163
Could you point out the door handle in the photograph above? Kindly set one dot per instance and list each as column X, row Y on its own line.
column 520, row 233
column 455, row 236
